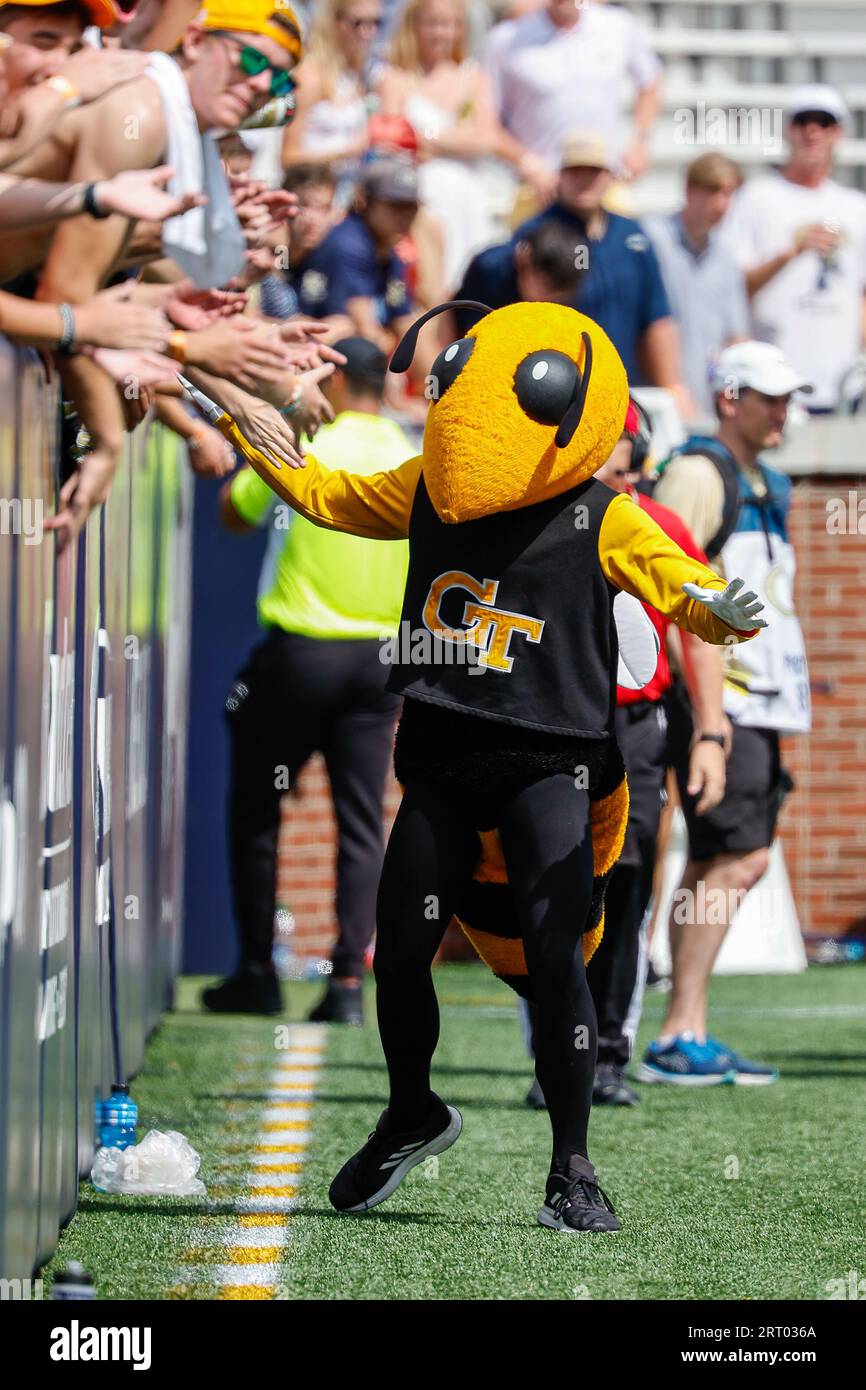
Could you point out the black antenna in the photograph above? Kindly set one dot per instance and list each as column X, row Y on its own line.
column 572, row 417
column 401, row 360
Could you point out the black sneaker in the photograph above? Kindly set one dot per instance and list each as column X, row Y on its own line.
column 249, row 991
column 376, row 1170
column 341, row 1003
column 611, row 1088
column 535, row 1097
column 574, row 1202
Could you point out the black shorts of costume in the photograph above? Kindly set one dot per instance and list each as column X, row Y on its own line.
column 756, row 786
column 485, row 762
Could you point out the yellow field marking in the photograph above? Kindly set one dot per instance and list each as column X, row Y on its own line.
column 263, row 1218
column 253, row 1255
column 279, row 1168
column 244, row 1190
column 233, row 1292
column 280, row 1148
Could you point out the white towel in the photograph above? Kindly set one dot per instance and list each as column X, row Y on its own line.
column 207, row 243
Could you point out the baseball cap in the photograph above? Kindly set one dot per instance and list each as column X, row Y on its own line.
column 273, row 19
column 760, row 365
column 587, row 149
column 392, row 179
column 817, row 96
column 365, row 362
column 102, row 12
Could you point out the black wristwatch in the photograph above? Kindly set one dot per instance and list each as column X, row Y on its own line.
column 712, row 738
column 90, row 204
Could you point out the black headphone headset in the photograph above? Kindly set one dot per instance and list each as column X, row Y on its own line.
column 641, row 442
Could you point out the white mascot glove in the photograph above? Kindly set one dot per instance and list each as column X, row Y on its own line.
column 736, row 609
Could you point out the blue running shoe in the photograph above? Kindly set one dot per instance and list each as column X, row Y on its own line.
column 745, row 1073
column 684, row 1062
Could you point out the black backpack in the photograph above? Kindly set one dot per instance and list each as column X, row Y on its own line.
column 727, row 469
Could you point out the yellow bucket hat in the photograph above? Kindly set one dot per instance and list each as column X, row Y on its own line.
column 274, row 19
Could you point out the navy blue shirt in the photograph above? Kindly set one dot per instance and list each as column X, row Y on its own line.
column 345, row 266
column 621, row 288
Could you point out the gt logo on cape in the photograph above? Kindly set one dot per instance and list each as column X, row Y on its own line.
column 488, row 628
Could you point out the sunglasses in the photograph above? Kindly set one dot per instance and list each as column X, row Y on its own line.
column 821, row 118
column 251, row 63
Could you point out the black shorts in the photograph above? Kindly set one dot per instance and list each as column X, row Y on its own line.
column 757, row 784
column 483, row 762
column 641, row 732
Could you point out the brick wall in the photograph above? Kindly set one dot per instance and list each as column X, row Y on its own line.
column 306, row 875
column 824, row 821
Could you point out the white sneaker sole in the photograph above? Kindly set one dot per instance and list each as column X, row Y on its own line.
column 747, row 1078
column 443, row 1141
column 650, row 1077
column 548, row 1217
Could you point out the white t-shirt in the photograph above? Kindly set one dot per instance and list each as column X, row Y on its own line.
column 810, row 310
column 550, row 82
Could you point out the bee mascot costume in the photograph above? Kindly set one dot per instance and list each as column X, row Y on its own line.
column 515, row 799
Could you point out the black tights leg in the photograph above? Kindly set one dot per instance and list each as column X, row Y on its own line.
column 548, row 851
column 431, row 854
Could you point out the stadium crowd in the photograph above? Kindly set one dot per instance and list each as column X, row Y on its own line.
column 237, row 211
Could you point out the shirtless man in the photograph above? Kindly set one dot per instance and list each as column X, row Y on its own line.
column 46, row 68
column 230, row 61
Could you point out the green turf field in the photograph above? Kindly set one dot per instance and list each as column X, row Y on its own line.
column 788, row 1223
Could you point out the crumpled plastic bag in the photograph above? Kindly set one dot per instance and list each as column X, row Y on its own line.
column 162, row 1165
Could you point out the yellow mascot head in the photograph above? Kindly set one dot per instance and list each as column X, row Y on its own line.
column 527, row 405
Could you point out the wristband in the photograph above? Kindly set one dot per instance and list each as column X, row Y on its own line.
column 295, row 402
column 65, row 89
column 712, row 738
column 199, row 432
column 67, row 330
column 176, row 348
column 90, row 204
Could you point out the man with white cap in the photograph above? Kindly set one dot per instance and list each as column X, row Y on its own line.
column 800, row 238
column 736, row 507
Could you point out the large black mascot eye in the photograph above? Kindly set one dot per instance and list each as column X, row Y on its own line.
column 546, row 383
column 448, row 366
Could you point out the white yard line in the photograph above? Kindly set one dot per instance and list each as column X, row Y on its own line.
column 246, row 1264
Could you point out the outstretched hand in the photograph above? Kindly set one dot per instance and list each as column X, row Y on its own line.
column 140, row 194
column 738, row 610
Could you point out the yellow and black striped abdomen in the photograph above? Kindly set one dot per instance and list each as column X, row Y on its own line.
column 487, row 915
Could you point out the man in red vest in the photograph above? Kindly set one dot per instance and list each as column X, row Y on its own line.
column 615, row 973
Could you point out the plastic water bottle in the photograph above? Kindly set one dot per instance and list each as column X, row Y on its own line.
column 279, row 111
column 119, row 1119
column 73, row 1282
